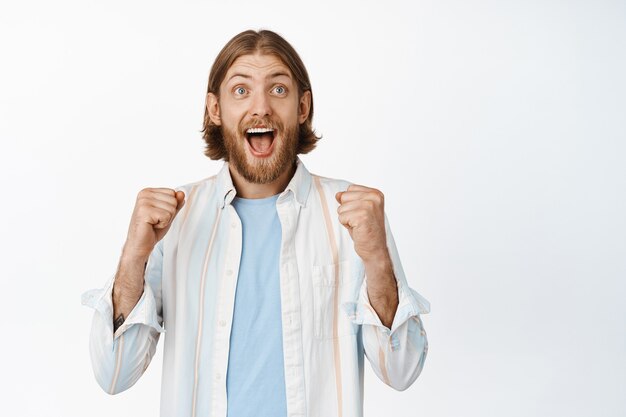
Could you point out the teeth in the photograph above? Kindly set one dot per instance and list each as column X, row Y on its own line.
column 259, row 130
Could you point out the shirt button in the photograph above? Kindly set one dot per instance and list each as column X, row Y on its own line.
column 233, row 225
column 229, row 272
column 222, row 323
column 218, row 376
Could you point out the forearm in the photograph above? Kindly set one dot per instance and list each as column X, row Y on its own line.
column 382, row 289
column 128, row 286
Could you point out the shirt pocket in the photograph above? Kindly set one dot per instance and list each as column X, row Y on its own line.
column 332, row 285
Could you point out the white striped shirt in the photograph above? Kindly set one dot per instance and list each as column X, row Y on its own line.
column 328, row 323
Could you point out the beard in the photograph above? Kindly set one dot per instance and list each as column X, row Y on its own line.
column 260, row 170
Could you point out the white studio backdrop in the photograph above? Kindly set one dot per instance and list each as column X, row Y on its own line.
column 496, row 130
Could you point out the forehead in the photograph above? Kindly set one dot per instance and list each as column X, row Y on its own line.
column 257, row 66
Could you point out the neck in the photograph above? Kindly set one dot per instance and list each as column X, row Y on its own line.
column 247, row 189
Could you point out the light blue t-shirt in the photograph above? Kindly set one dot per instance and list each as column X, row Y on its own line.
column 255, row 383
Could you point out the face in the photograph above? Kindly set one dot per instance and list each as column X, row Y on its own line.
column 260, row 113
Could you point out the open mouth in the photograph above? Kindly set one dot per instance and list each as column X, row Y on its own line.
column 261, row 140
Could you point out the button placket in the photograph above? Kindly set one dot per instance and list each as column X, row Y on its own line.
column 225, row 303
column 290, row 305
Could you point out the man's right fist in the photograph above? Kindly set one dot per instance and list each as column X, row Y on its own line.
column 152, row 217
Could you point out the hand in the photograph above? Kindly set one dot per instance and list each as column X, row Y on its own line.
column 361, row 210
column 152, row 217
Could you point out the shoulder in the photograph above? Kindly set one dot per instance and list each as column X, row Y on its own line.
column 198, row 196
column 203, row 185
column 330, row 185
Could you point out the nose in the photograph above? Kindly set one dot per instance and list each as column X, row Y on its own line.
column 260, row 105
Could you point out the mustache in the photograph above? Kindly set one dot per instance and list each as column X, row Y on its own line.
column 271, row 124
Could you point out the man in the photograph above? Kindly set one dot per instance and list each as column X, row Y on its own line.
column 271, row 282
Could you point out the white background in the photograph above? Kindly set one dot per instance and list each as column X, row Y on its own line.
column 496, row 130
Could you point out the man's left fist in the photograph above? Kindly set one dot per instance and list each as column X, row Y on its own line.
column 362, row 211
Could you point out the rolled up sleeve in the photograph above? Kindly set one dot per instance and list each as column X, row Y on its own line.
column 119, row 359
column 397, row 355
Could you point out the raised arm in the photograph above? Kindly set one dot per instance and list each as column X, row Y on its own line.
column 128, row 317
column 394, row 339
column 152, row 217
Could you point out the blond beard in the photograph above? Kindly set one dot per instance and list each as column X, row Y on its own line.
column 262, row 170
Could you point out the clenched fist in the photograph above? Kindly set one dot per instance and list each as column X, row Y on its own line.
column 361, row 210
column 152, row 217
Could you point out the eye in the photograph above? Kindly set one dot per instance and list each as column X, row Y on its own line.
column 240, row 91
column 280, row 89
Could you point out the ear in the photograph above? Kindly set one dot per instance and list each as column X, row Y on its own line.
column 213, row 107
column 304, row 107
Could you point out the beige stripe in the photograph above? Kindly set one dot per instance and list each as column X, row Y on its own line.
column 188, row 201
column 381, row 359
column 201, row 314
column 335, row 255
column 118, row 363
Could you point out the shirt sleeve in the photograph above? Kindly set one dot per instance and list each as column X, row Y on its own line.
column 119, row 359
column 396, row 355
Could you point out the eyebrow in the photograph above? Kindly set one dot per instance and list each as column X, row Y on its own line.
column 271, row 76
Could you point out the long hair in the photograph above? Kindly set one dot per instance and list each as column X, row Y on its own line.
column 245, row 43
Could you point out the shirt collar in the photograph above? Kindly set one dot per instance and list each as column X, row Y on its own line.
column 299, row 185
